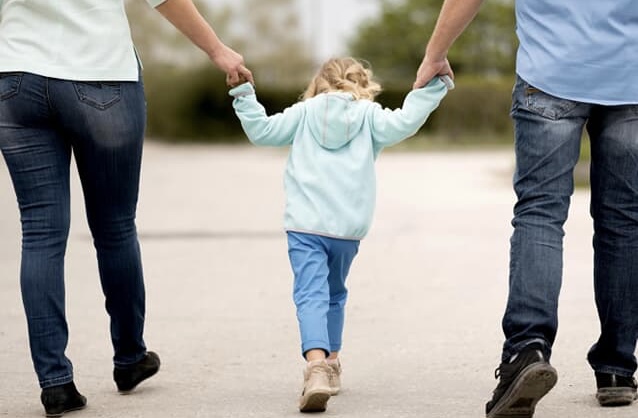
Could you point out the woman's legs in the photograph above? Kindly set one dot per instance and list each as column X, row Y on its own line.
column 105, row 125
column 38, row 159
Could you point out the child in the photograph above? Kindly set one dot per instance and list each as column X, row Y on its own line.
column 335, row 134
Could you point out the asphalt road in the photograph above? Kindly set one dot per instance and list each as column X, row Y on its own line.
column 427, row 292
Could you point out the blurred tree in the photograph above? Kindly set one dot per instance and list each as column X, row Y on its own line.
column 269, row 35
column 159, row 43
column 395, row 40
column 266, row 32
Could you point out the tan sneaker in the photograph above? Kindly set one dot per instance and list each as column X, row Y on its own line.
column 335, row 376
column 316, row 387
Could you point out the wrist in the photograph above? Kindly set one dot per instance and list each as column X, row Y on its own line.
column 215, row 48
column 432, row 55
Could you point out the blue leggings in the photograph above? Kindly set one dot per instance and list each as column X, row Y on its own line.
column 320, row 265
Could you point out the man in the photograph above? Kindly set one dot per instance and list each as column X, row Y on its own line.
column 576, row 69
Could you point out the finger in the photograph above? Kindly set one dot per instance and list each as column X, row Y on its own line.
column 232, row 78
column 246, row 73
column 421, row 79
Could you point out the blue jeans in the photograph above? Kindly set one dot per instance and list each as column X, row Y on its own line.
column 320, row 265
column 43, row 122
column 548, row 134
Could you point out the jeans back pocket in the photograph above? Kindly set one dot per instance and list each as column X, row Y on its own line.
column 100, row 94
column 9, row 85
column 537, row 101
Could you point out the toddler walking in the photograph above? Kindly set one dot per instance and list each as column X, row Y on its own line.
column 335, row 134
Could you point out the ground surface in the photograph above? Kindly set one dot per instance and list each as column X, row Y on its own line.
column 427, row 292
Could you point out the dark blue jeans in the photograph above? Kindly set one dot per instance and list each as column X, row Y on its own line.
column 43, row 122
column 548, row 138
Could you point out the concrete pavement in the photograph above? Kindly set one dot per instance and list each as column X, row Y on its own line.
column 427, row 292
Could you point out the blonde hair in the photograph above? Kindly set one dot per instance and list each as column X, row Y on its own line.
column 347, row 75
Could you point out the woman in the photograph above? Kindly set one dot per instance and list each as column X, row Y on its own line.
column 70, row 84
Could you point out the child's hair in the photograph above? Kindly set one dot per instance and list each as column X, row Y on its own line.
column 346, row 75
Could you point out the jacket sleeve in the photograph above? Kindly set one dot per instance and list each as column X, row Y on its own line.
column 390, row 127
column 276, row 130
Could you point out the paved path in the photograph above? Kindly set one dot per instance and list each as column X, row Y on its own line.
column 427, row 292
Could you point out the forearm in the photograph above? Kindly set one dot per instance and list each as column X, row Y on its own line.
column 186, row 18
column 455, row 16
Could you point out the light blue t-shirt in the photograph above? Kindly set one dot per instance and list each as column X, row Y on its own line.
column 583, row 50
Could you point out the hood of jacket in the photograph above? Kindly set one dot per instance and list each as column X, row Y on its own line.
column 335, row 118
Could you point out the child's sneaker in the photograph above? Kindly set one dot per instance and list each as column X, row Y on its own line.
column 335, row 376
column 316, row 387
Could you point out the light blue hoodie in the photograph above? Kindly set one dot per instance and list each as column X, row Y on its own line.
column 330, row 178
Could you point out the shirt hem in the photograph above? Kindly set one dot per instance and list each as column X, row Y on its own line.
column 326, row 234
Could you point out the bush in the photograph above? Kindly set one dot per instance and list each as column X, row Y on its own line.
column 193, row 104
column 475, row 108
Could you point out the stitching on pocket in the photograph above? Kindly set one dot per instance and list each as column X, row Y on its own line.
column 100, row 95
column 546, row 105
column 9, row 85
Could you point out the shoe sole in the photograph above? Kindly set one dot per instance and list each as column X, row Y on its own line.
column 129, row 391
column 50, row 415
column 315, row 402
column 522, row 396
column 615, row 396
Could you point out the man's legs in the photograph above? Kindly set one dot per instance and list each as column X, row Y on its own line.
column 548, row 134
column 614, row 208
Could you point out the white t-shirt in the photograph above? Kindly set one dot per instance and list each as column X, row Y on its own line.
column 82, row 40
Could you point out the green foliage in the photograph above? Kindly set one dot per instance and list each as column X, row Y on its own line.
column 476, row 107
column 186, row 104
column 266, row 32
column 189, row 104
column 395, row 40
column 159, row 43
column 268, row 35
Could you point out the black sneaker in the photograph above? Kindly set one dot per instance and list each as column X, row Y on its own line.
column 615, row 390
column 524, row 380
column 128, row 378
column 60, row 399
